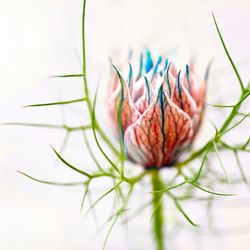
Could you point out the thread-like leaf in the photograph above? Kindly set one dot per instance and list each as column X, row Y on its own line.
column 246, row 143
column 235, row 125
column 178, row 206
column 109, row 231
column 120, row 211
column 244, row 178
column 50, row 126
column 55, row 103
column 85, row 194
column 105, row 194
column 242, row 114
column 228, row 55
column 210, row 192
column 27, row 124
column 122, row 82
column 69, row 165
column 52, row 183
column 68, row 75
column 170, row 188
column 92, row 154
column 221, row 164
column 220, row 106
column 93, row 119
column 196, row 178
column 65, row 142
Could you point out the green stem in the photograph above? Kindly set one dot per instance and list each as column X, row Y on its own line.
column 234, row 111
column 158, row 218
column 106, row 139
column 85, row 83
column 227, row 122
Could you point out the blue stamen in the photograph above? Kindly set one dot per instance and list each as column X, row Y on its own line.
column 140, row 67
column 179, row 88
column 163, row 103
column 156, row 67
column 130, row 75
column 167, row 76
column 188, row 80
column 166, row 64
column 149, row 62
column 208, row 70
column 130, row 54
column 148, row 89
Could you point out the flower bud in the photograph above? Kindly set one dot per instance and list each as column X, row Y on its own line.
column 161, row 110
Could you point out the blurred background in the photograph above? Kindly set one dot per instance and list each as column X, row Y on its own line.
column 40, row 39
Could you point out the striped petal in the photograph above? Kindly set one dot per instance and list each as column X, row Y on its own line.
column 129, row 112
column 155, row 139
column 182, row 98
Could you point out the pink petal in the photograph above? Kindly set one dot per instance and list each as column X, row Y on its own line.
column 129, row 113
column 181, row 97
column 197, row 89
column 156, row 137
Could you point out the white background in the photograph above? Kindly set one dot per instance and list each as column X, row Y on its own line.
column 42, row 38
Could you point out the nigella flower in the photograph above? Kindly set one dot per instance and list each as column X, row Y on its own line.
column 161, row 110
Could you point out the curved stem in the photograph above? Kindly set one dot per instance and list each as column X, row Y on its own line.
column 157, row 206
column 85, row 83
column 227, row 122
column 234, row 111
